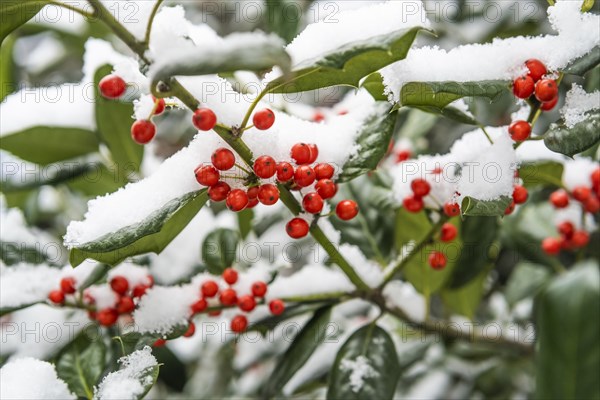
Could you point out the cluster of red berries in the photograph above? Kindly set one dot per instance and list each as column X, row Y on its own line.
column 228, row 297
column 302, row 175
column 437, row 260
column 534, row 84
column 124, row 291
column 570, row 238
column 519, row 196
column 421, row 188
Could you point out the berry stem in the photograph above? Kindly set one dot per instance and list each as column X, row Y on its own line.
column 150, row 22
column 250, row 109
column 153, row 109
column 487, row 135
column 404, row 260
column 246, row 128
column 243, row 169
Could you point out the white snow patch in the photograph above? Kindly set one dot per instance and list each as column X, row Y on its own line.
column 28, row 378
column 134, row 274
column 578, row 172
column 360, row 369
column 578, row 104
column 130, row 381
column 23, row 284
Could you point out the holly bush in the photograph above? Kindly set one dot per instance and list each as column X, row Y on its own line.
column 299, row 199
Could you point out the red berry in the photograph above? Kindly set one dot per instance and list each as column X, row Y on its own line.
column 199, row 306
column 209, row 288
column 297, row 228
column 324, row 171
column 219, row 191
column 403, row 155
column 56, row 296
column 549, row 105
column 448, row 232
column 237, row 200
column 150, row 279
column 268, row 194
column 223, row 159
column 301, row 153
column 252, row 192
column 230, row 276
column 125, row 305
column 595, row 177
column 580, row 239
column 228, row 297
column 107, row 317
column 592, row 205
column 304, row 176
column 519, row 130
column 546, row 90
column 119, row 284
column 318, row 117
column 451, row 209
column 523, row 87
column 252, row 203
column 582, row 193
column 559, row 198
column 265, row 167
column 143, row 131
column 420, row 187
column 112, row 86
column 246, row 303
column 566, row 229
column 207, row 175
column 346, row 209
column 139, row 290
column 437, row 260
column 159, row 104
column 536, row 68
column 520, row 194
column 214, row 313
column 263, row 119
column 259, row 289
column 551, row 245
column 413, row 204
column 67, row 285
column 285, row 171
column 239, row 323
column 314, row 153
column 159, row 343
column 276, row 306
column 510, row 209
column 312, row 203
column 191, row 330
column 204, row 119
column 326, row 188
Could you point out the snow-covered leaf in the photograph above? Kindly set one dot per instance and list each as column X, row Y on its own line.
column 478, row 235
column 300, row 350
column 46, row 144
column 15, row 13
column 488, row 208
column 430, row 96
column 152, row 234
column 219, row 249
column 234, row 55
column 348, row 64
column 81, row 366
column 583, row 64
column 372, row 143
column 113, row 119
column 568, row 327
column 571, row 141
column 366, row 366
column 541, row 173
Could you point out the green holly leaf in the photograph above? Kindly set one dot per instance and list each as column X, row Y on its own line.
column 97, row 274
column 219, row 249
column 152, row 234
column 304, row 344
column 7, row 310
column 571, row 141
column 245, row 219
column 14, row 13
column 525, row 280
column 568, row 327
column 373, row 141
column 113, row 121
column 81, row 366
column 236, row 56
column 366, row 366
column 283, row 17
column 12, row 253
column 56, row 174
column 7, row 70
column 450, row 112
column 374, row 85
column 541, row 173
column 348, row 64
column 436, row 96
column 46, row 144
column 465, row 299
column 485, row 208
column 584, row 64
